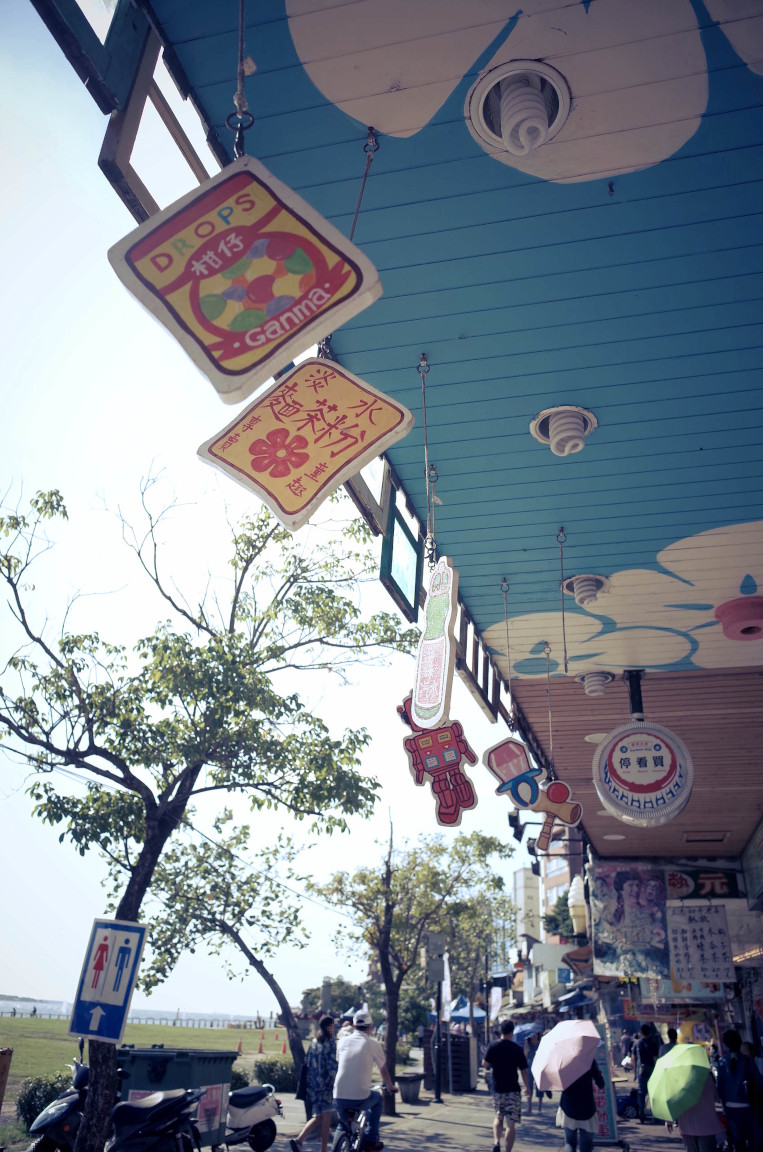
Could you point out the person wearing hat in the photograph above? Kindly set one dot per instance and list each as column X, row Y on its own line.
column 358, row 1054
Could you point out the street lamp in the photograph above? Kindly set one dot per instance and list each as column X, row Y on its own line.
column 577, row 906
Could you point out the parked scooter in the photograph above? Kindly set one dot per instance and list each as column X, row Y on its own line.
column 57, row 1125
column 250, row 1117
column 161, row 1122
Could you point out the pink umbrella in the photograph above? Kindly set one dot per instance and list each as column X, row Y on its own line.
column 564, row 1054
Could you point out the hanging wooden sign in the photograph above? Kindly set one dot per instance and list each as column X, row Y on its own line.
column 437, row 648
column 439, row 753
column 314, row 428
column 245, row 275
column 643, row 774
column 530, row 788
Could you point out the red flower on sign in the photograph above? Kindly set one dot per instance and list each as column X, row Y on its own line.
column 277, row 454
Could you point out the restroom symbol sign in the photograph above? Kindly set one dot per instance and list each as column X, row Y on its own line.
column 108, row 977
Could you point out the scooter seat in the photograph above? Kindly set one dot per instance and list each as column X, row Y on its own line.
column 246, row 1097
column 134, row 1111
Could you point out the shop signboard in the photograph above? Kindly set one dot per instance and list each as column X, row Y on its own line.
column 669, row 991
column 628, row 917
column 316, row 426
column 702, row 883
column 700, row 948
column 604, row 1098
column 245, row 275
column 643, row 774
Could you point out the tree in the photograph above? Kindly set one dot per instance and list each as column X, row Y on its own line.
column 344, row 996
column 412, row 892
column 558, row 922
column 193, row 710
column 476, row 924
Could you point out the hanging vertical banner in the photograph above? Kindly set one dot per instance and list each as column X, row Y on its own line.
column 447, row 991
column 496, row 999
column 604, row 1098
column 245, row 275
column 700, row 948
column 439, row 753
column 313, row 429
column 437, row 648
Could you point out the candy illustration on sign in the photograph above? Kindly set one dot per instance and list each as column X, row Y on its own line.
column 439, row 753
column 313, row 429
column 437, row 647
column 643, row 774
column 529, row 788
column 245, row 275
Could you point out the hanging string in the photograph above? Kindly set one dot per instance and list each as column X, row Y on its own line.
column 561, row 541
column 505, row 589
column 242, row 119
column 371, row 147
column 430, row 545
column 547, row 654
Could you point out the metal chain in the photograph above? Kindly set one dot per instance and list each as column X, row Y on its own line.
column 371, row 147
column 505, row 586
column 242, row 119
column 547, row 654
column 561, row 541
column 430, row 545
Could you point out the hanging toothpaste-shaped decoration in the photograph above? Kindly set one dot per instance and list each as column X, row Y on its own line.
column 437, row 648
column 245, row 275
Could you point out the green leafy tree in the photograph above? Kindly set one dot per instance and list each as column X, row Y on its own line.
column 558, row 922
column 195, row 708
column 412, row 892
column 475, row 924
column 344, row 995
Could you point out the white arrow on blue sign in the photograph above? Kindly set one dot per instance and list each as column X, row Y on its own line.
column 107, row 980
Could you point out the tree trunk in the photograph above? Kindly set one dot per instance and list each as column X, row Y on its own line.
column 104, row 1085
column 390, row 1038
column 296, row 1046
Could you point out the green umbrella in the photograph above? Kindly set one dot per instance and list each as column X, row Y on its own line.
column 677, row 1081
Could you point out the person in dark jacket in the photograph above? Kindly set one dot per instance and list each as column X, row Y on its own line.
column 646, row 1057
column 577, row 1111
column 739, row 1086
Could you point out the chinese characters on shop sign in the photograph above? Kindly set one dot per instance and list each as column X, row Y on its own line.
column 314, row 428
column 699, row 943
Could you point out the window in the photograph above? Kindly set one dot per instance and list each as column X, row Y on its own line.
column 555, row 865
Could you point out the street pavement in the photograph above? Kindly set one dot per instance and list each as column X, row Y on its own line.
column 462, row 1123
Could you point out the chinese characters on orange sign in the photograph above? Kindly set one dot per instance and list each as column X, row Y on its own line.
column 246, row 276
column 313, row 429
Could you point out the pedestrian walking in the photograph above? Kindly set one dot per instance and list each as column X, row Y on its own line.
column 577, row 1111
column 700, row 1124
column 740, row 1085
column 507, row 1061
column 645, row 1061
column 321, row 1063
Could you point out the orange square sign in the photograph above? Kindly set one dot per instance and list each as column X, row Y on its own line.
column 246, row 276
column 308, row 433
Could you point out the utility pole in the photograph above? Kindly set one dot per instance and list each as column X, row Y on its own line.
column 432, row 957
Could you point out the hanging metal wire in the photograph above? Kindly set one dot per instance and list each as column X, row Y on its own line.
column 240, row 120
column 430, row 545
column 547, row 654
column 561, row 540
column 505, row 586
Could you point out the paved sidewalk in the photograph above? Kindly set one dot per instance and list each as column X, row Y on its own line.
column 462, row 1123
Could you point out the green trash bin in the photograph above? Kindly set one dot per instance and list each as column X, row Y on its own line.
column 147, row 1070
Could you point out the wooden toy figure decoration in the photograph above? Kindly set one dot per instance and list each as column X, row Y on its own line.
column 245, row 275
column 528, row 788
column 439, row 753
column 316, row 426
column 437, row 648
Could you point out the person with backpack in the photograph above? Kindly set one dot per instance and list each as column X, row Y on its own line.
column 739, row 1086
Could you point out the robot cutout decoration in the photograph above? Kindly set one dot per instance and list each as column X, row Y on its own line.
column 437, row 648
column 529, row 788
column 439, row 753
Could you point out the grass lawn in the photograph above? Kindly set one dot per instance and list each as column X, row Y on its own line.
column 42, row 1046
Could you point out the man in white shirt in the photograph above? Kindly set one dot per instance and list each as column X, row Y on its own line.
column 358, row 1054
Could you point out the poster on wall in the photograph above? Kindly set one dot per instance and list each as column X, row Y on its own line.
column 628, row 916
column 672, row 989
column 700, row 948
column 604, row 1098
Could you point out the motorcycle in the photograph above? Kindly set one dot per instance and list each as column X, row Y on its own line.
column 57, row 1125
column 250, row 1117
column 161, row 1122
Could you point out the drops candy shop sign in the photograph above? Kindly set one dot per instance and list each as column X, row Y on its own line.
column 245, row 275
column 643, row 774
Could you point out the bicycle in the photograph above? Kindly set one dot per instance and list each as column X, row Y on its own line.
column 351, row 1134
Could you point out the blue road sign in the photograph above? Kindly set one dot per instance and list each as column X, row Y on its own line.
column 108, row 978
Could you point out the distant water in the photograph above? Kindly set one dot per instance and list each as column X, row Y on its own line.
column 63, row 1008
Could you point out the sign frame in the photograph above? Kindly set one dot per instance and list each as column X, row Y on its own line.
column 665, row 803
column 107, row 1013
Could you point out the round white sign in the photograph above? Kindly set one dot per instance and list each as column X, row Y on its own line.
column 643, row 774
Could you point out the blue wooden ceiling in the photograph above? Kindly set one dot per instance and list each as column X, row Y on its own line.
column 635, row 294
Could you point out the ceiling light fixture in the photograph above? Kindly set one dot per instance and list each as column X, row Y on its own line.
column 594, row 683
column 517, row 107
column 564, row 428
column 585, row 588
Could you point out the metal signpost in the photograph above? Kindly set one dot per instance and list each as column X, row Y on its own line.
column 107, row 980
